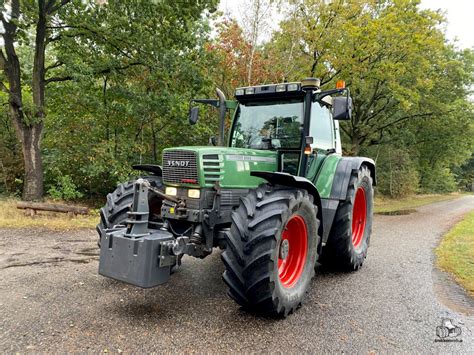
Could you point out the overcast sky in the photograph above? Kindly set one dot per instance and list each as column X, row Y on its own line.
column 459, row 14
column 460, row 19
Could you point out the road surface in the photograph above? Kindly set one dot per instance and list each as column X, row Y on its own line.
column 51, row 299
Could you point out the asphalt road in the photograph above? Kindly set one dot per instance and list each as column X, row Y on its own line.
column 51, row 299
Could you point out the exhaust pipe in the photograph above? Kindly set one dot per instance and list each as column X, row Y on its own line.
column 222, row 111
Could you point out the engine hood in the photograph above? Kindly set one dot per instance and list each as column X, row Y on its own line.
column 206, row 166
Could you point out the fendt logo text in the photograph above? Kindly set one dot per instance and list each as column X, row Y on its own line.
column 181, row 163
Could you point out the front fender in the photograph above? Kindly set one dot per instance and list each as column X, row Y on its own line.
column 278, row 178
column 149, row 168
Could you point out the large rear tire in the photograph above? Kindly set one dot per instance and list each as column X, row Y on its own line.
column 271, row 250
column 349, row 238
column 120, row 201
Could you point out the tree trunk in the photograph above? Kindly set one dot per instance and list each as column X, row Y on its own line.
column 153, row 142
column 33, row 184
column 32, row 134
column 355, row 144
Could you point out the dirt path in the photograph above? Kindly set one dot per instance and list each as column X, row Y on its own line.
column 51, row 299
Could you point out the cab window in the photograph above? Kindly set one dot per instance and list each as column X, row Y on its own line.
column 322, row 127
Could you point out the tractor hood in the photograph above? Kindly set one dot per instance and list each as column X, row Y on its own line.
column 206, row 166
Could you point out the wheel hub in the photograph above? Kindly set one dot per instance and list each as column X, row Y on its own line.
column 293, row 251
column 359, row 217
column 284, row 249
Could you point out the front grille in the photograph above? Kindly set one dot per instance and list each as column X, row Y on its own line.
column 180, row 166
column 212, row 168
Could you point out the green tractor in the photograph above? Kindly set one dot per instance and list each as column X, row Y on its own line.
column 277, row 197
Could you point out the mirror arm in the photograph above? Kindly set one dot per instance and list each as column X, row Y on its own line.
column 320, row 95
column 212, row 102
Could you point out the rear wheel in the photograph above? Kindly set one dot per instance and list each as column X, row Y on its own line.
column 271, row 250
column 349, row 237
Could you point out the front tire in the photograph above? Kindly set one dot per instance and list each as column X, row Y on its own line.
column 271, row 250
column 349, row 238
column 119, row 203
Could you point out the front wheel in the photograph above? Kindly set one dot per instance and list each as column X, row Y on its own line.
column 119, row 203
column 271, row 250
column 349, row 237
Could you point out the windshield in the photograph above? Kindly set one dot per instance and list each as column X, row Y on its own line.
column 268, row 124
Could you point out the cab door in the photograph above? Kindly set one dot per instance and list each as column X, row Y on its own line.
column 325, row 135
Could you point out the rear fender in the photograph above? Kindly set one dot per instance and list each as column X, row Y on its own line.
column 343, row 173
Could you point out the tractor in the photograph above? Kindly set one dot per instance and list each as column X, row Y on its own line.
column 274, row 193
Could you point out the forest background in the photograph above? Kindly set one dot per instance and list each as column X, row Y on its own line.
column 88, row 88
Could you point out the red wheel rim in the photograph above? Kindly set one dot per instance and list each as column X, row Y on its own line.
column 359, row 217
column 292, row 251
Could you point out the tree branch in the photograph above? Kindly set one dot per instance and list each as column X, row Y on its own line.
column 100, row 72
column 4, row 88
column 405, row 118
column 3, row 60
column 52, row 66
column 50, row 9
column 57, row 79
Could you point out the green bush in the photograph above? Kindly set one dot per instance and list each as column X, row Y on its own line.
column 438, row 181
column 65, row 189
column 397, row 174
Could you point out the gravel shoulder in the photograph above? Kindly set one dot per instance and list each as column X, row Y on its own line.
column 52, row 299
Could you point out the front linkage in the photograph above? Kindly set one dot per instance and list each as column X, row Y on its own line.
column 139, row 255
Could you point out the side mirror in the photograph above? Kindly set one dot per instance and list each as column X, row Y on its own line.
column 193, row 115
column 342, row 108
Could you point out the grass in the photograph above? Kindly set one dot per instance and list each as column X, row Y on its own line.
column 11, row 217
column 456, row 253
column 387, row 205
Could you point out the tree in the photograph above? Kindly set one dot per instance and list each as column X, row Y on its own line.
column 131, row 90
column 256, row 23
column 239, row 61
column 57, row 25
column 392, row 55
column 28, row 121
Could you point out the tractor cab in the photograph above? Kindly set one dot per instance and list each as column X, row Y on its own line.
column 274, row 117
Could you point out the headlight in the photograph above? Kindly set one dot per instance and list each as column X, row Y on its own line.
column 280, row 88
column 172, row 191
column 292, row 87
column 194, row 193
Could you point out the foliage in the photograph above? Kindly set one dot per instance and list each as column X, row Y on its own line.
column 465, row 175
column 410, row 87
column 119, row 76
column 134, row 64
column 397, row 172
column 233, row 53
column 65, row 189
